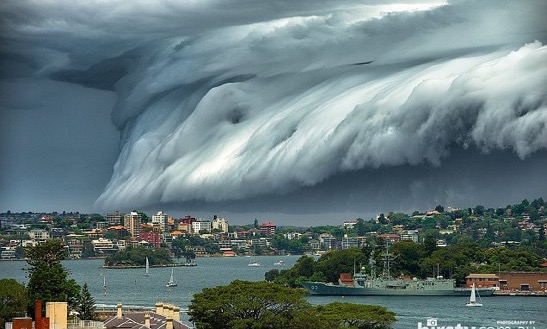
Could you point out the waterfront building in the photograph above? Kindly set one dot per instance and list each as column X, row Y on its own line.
column 8, row 252
column 161, row 219
column 103, row 246
column 132, row 223
column 523, row 281
column 75, row 243
column 482, row 280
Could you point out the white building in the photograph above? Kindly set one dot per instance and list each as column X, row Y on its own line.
column 220, row 224
column 161, row 219
column 411, row 235
column 201, row 225
column 39, row 235
column 102, row 245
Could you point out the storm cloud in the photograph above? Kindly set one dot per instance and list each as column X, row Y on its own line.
column 249, row 106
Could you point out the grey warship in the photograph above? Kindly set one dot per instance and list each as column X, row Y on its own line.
column 370, row 284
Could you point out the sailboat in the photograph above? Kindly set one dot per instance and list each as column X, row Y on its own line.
column 473, row 299
column 171, row 282
column 147, row 267
column 253, row 263
column 104, row 285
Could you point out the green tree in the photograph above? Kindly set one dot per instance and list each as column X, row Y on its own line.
column 358, row 316
column 48, row 279
column 13, row 300
column 86, row 306
column 339, row 261
column 360, row 227
column 430, row 244
column 244, row 305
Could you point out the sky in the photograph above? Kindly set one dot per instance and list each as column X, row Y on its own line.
column 297, row 112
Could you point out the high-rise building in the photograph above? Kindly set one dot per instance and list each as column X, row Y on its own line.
column 132, row 223
column 161, row 219
column 114, row 218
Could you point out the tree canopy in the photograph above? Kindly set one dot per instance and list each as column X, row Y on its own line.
column 137, row 257
column 359, row 316
column 249, row 305
column 48, row 279
column 13, row 300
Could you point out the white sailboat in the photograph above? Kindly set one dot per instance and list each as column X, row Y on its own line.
column 473, row 299
column 253, row 263
column 104, row 284
column 147, row 267
column 171, row 282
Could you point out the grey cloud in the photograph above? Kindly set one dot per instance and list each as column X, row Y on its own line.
column 231, row 101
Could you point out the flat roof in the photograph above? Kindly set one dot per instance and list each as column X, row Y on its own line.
column 482, row 276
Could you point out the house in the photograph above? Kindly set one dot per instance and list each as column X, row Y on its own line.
column 482, row 280
column 165, row 316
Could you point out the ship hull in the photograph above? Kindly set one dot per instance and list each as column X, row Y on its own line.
column 323, row 289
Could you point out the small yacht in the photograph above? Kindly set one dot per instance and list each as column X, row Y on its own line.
column 473, row 299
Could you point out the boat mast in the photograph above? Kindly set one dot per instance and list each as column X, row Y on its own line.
column 387, row 257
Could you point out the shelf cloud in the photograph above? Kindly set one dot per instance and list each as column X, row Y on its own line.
column 240, row 102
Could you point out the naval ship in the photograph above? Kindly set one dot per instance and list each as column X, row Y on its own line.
column 370, row 284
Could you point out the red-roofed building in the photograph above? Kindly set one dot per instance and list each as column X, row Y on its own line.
column 267, row 228
column 119, row 230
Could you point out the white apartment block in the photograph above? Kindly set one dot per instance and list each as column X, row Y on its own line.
column 220, row 224
column 201, row 225
column 411, row 235
column 102, row 245
column 161, row 219
column 39, row 235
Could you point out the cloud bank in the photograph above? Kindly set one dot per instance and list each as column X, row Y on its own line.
column 220, row 101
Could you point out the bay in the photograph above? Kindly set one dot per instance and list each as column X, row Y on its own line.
column 133, row 289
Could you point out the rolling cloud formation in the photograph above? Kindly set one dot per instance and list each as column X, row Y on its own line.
column 229, row 100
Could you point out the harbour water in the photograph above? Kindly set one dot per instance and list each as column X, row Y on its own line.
column 132, row 288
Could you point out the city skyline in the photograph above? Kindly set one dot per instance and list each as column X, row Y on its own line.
column 302, row 113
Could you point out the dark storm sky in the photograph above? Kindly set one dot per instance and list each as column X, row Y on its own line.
column 299, row 112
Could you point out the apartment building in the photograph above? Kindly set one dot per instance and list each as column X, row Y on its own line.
column 132, row 223
column 160, row 219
